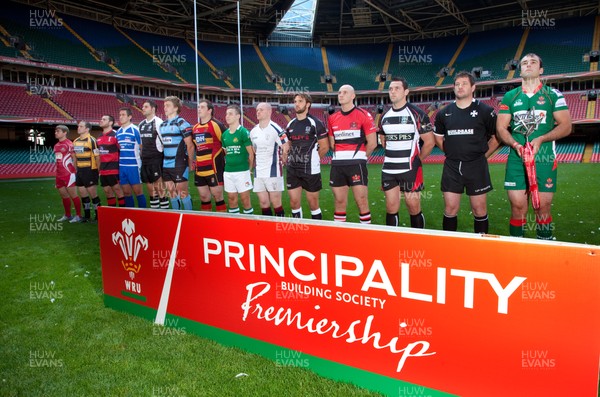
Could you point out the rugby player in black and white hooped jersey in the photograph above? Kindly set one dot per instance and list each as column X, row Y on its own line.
column 308, row 144
column 152, row 156
column 465, row 130
column 401, row 128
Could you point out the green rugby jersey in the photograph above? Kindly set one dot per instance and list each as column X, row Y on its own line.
column 236, row 154
column 545, row 100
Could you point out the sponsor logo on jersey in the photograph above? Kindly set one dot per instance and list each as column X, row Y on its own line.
column 464, row 131
column 200, row 138
column 518, row 102
column 510, row 184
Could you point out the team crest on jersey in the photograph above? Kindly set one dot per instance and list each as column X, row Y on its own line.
column 541, row 100
column 474, row 113
column 130, row 245
column 307, row 129
column 355, row 178
column 353, row 125
column 235, row 140
column 549, row 183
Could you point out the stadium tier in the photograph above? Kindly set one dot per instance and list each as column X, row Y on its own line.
column 89, row 106
column 570, row 152
column 358, row 65
column 563, row 45
column 478, row 52
column 418, row 61
column 596, row 153
column 300, row 68
column 20, row 104
column 54, row 45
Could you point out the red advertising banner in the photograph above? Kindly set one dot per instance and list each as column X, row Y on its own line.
column 394, row 310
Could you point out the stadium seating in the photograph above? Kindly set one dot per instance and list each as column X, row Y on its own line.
column 300, row 68
column 19, row 103
column 183, row 58
column 577, row 105
column 90, row 106
column 570, row 152
column 563, row 45
column 54, row 45
column 479, row 53
column 357, row 65
column 129, row 58
column 25, row 163
column 596, row 153
column 422, row 59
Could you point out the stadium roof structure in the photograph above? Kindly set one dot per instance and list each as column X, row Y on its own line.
column 336, row 21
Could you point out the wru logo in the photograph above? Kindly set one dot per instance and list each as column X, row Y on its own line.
column 130, row 246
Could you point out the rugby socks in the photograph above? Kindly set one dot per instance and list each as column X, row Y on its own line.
column 67, row 206
column 315, row 214
column 339, row 216
column 121, row 201
column 187, row 203
column 141, row 199
column 86, row 207
column 481, row 224
column 206, row 206
column 164, row 203
column 235, row 210
column 221, row 207
column 175, row 203
column 77, row 204
column 365, row 218
column 267, row 211
column 154, row 202
column 392, row 219
column 517, row 227
column 297, row 213
column 279, row 211
column 111, row 201
column 96, row 204
column 248, row 211
column 129, row 202
column 450, row 223
column 417, row 221
column 544, row 227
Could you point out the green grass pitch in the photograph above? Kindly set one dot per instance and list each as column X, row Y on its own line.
column 57, row 339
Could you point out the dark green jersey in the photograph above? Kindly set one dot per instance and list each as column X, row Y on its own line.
column 545, row 100
column 236, row 154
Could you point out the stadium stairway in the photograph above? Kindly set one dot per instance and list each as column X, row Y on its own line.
column 595, row 42
column 135, row 43
column 326, row 67
column 88, row 46
column 454, row 57
column 519, row 52
column 386, row 64
column 212, row 67
column 266, row 66
column 588, row 152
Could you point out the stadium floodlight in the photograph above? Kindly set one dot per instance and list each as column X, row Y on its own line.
column 443, row 72
column 513, row 64
column 383, row 77
column 476, row 72
column 592, row 95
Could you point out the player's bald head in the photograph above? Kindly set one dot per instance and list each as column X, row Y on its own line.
column 348, row 88
column 264, row 106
